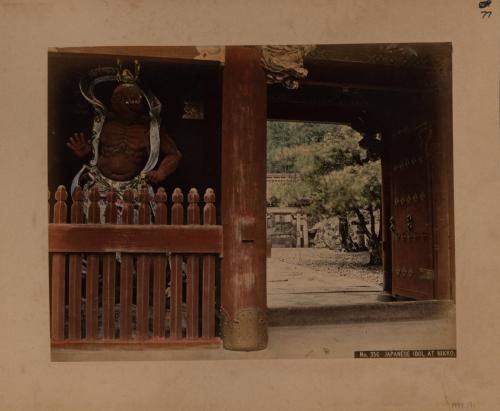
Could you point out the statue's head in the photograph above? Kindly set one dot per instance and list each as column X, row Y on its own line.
column 127, row 101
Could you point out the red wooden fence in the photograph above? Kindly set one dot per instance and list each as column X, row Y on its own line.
column 147, row 256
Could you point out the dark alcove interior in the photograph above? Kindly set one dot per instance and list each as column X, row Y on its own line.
column 174, row 83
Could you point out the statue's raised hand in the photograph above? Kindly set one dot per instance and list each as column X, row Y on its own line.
column 80, row 145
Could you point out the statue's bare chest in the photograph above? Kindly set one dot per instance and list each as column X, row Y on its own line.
column 130, row 136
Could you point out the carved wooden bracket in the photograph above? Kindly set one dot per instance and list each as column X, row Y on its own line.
column 285, row 64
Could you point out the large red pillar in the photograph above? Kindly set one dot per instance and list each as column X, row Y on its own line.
column 243, row 200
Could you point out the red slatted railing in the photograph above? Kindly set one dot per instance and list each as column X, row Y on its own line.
column 125, row 260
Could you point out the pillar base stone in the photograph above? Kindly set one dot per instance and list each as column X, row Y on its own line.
column 247, row 331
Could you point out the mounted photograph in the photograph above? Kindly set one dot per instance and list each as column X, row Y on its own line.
column 260, row 202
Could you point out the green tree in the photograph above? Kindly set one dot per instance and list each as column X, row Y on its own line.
column 356, row 189
column 335, row 173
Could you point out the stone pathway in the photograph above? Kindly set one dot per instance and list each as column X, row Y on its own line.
column 318, row 277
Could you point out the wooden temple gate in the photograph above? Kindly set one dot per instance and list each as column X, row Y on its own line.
column 375, row 97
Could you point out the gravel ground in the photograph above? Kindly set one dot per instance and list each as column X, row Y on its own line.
column 350, row 265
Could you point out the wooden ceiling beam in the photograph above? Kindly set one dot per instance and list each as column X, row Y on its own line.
column 368, row 87
column 367, row 74
column 153, row 52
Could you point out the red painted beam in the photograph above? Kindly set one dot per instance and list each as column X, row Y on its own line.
column 100, row 238
column 138, row 344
